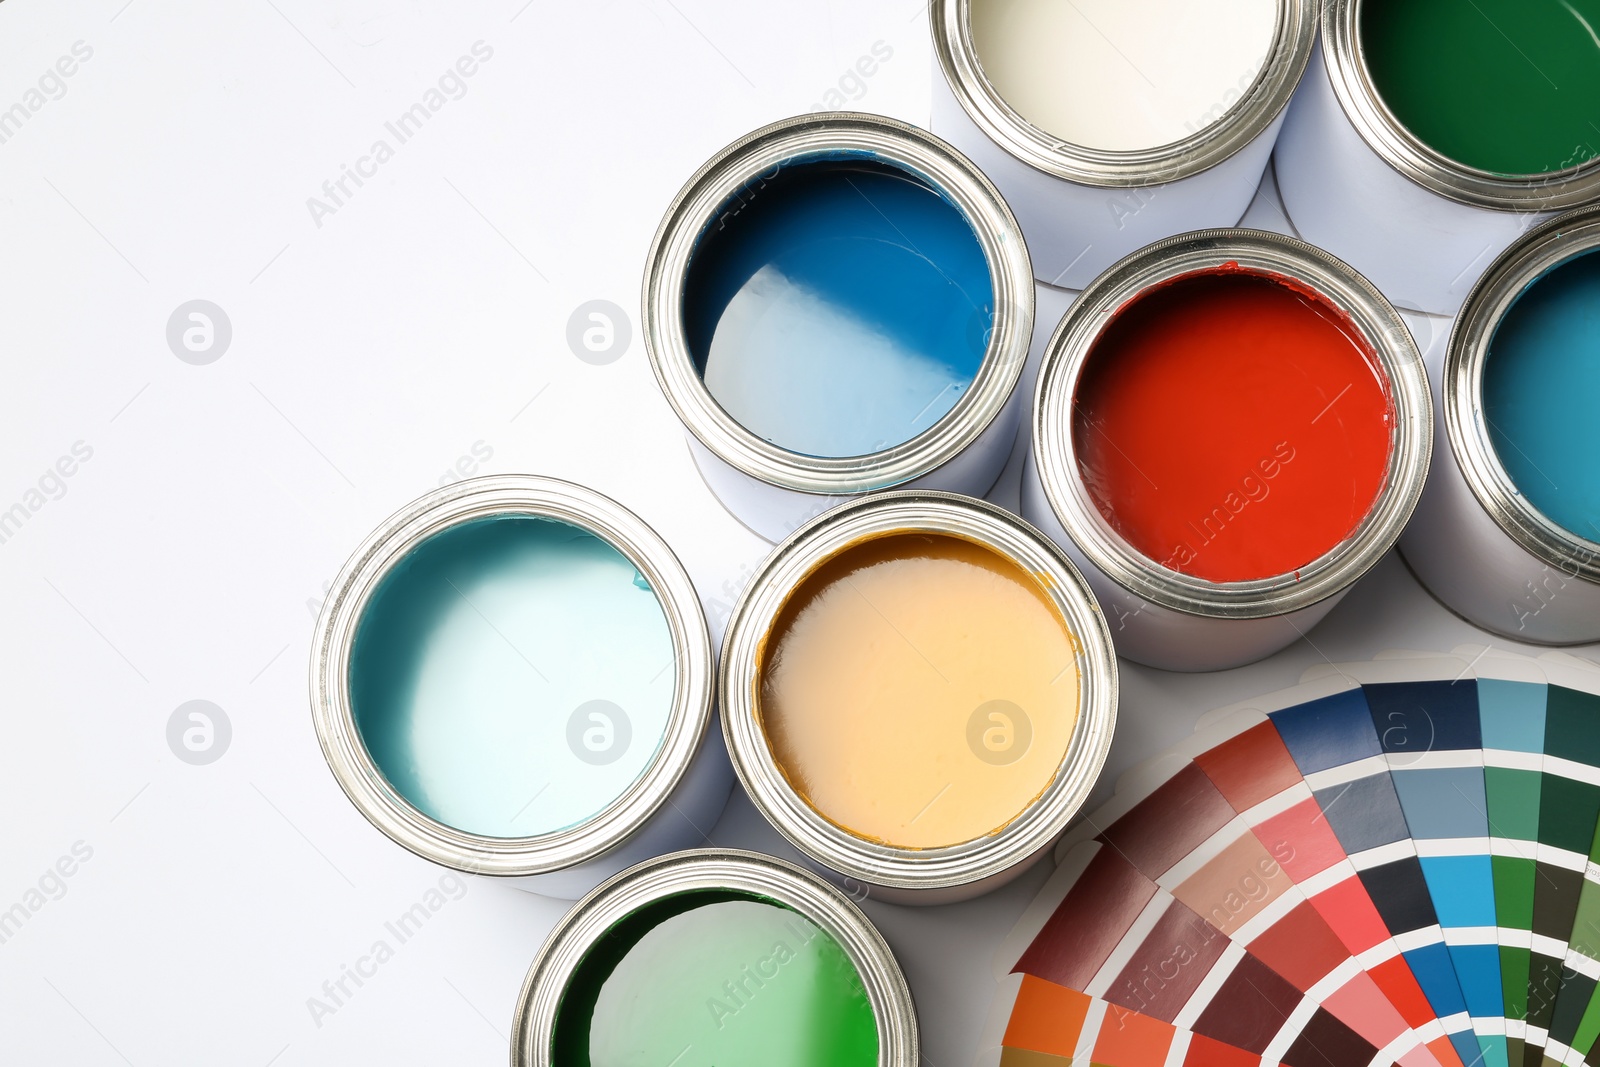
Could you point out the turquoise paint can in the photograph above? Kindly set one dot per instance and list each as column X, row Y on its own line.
column 1508, row 531
column 512, row 676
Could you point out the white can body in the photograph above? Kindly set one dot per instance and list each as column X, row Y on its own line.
column 1075, row 231
column 1158, row 636
column 1479, row 571
column 774, row 512
column 1423, row 250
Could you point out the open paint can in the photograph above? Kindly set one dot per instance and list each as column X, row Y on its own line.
column 1429, row 135
column 1230, row 428
column 1508, row 531
column 919, row 693
column 835, row 305
column 715, row 957
column 1110, row 124
column 512, row 676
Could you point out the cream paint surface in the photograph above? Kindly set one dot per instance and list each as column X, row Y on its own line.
column 872, row 680
column 1122, row 75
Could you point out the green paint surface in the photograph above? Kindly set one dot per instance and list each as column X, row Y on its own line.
column 714, row 979
column 1504, row 86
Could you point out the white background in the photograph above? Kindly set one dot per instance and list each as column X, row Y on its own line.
column 426, row 315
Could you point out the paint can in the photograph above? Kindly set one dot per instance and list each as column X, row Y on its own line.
column 1506, row 533
column 834, row 305
column 1165, row 413
column 1422, row 224
column 1183, row 103
column 512, row 676
column 919, row 694
column 715, row 956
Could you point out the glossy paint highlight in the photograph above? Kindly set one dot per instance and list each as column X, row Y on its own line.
column 838, row 306
column 710, row 978
column 512, row 675
column 1503, row 86
column 1232, row 426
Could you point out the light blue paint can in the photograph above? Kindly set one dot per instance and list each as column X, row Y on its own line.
column 513, row 676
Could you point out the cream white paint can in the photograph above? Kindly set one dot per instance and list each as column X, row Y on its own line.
column 1111, row 124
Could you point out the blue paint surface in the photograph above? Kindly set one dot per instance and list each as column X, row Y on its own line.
column 838, row 307
column 474, row 664
column 1541, row 394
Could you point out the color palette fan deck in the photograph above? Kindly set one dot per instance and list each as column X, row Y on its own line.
column 1394, row 862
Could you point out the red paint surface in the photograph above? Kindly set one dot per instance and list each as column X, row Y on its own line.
column 1232, row 427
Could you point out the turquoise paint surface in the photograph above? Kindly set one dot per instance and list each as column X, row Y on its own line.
column 475, row 663
column 1541, row 394
column 839, row 307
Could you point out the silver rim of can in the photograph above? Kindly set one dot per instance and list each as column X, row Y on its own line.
column 1270, row 254
column 1539, row 251
column 539, row 1003
column 352, row 764
column 807, row 138
column 871, row 862
column 1402, row 150
column 1242, row 123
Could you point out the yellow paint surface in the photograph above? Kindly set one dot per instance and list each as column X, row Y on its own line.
column 919, row 690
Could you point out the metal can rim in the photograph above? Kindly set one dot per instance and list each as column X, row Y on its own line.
column 352, row 765
column 539, row 1001
column 805, row 138
column 1267, row 95
column 1519, row 266
column 1405, row 153
column 1266, row 253
column 919, row 512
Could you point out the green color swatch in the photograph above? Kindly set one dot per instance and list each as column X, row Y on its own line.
column 1504, row 86
column 713, row 979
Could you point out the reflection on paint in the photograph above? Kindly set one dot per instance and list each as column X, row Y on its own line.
column 512, row 676
column 1504, row 86
column 839, row 307
column 1231, row 426
column 1122, row 75
column 713, row 978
